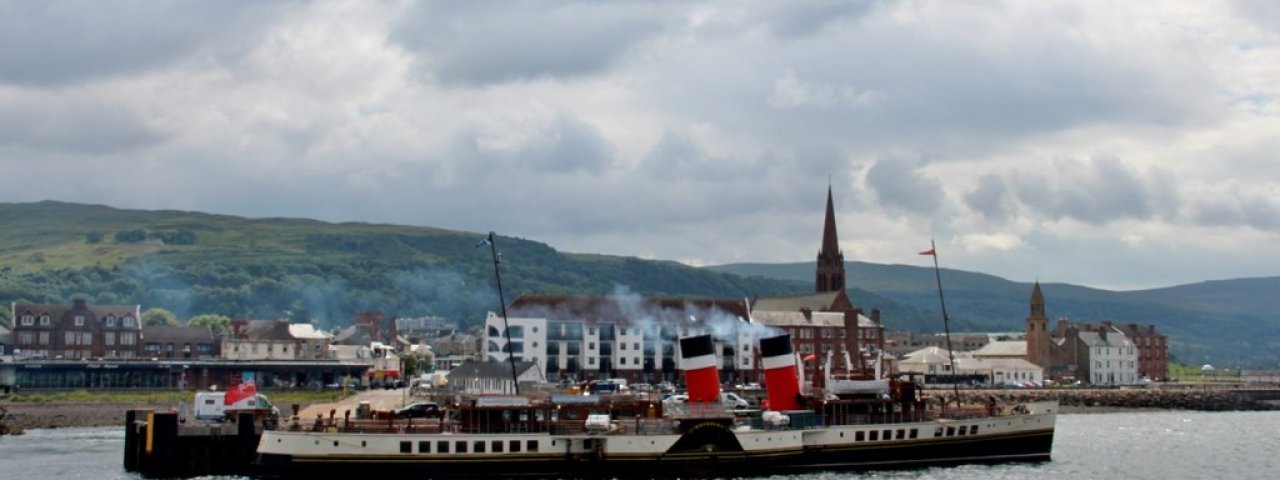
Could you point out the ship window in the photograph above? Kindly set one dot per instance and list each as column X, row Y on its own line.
column 424, row 447
column 406, row 447
column 973, row 430
column 875, row 435
column 335, row 443
column 914, row 433
column 860, row 436
column 938, row 432
column 442, row 447
column 531, row 445
column 364, row 443
column 514, row 446
column 496, row 447
column 888, row 434
column 460, row 446
column 479, row 446
column 902, row 434
column 951, row 431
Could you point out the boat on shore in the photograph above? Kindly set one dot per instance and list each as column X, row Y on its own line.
column 635, row 435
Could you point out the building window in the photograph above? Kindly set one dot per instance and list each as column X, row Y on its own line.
column 128, row 320
column 44, row 320
column 28, row 320
column 111, row 321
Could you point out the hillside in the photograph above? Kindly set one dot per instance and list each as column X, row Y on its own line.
column 193, row 263
column 1227, row 322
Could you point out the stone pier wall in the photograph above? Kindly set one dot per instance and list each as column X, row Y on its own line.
column 1204, row 400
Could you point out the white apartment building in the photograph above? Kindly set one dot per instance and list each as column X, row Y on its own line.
column 1112, row 359
column 586, row 337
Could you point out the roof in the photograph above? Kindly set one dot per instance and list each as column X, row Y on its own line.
column 798, row 319
column 812, row 301
column 1009, row 348
column 268, row 330
column 928, row 355
column 173, row 333
column 1113, row 339
column 494, row 370
column 593, row 309
column 97, row 311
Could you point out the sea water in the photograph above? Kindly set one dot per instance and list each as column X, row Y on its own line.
column 1163, row 445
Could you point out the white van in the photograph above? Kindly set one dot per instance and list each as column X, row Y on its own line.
column 211, row 406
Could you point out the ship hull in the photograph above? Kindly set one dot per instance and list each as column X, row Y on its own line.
column 705, row 451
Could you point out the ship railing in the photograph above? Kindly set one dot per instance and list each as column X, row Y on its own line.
column 646, row 426
column 878, row 418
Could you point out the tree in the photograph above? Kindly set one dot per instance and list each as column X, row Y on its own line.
column 159, row 316
column 216, row 323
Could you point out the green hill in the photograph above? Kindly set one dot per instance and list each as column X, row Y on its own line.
column 193, row 263
column 1231, row 322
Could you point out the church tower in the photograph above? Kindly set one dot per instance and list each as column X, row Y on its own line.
column 830, row 273
column 1039, row 350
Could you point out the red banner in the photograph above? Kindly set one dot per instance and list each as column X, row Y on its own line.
column 240, row 392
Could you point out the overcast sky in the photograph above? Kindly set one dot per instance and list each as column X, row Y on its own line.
column 1111, row 144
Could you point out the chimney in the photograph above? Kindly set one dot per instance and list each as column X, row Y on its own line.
column 777, row 358
column 698, row 360
column 875, row 315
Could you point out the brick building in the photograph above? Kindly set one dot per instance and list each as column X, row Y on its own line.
column 79, row 331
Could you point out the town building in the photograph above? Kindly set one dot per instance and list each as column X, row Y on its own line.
column 274, row 340
column 179, row 342
column 1153, row 350
column 77, row 332
column 902, row 343
column 493, row 377
column 935, row 366
column 579, row 337
column 1096, row 354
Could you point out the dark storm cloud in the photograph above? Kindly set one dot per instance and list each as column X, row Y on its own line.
column 83, row 125
column 1097, row 192
column 992, row 198
column 900, row 183
column 62, row 42
column 1235, row 208
column 486, row 42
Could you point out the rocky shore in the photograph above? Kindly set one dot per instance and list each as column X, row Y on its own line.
column 61, row 415
column 1090, row 399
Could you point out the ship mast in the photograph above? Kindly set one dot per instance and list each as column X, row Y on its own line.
column 506, row 328
column 946, row 320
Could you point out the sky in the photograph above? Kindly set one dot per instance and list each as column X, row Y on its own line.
column 1120, row 145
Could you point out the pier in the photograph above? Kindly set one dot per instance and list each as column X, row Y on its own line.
column 156, row 444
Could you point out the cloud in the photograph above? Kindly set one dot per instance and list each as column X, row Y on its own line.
column 485, row 42
column 992, row 199
column 1096, row 191
column 70, row 124
column 901, row 184
column 66, row 42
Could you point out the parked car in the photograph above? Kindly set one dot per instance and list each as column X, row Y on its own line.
column 420, row 410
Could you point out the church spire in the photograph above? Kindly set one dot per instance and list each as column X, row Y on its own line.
column 830, row 273
column 1037, row 302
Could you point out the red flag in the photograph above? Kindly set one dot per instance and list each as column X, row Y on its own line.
column 928, row 252
column 240, row 392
